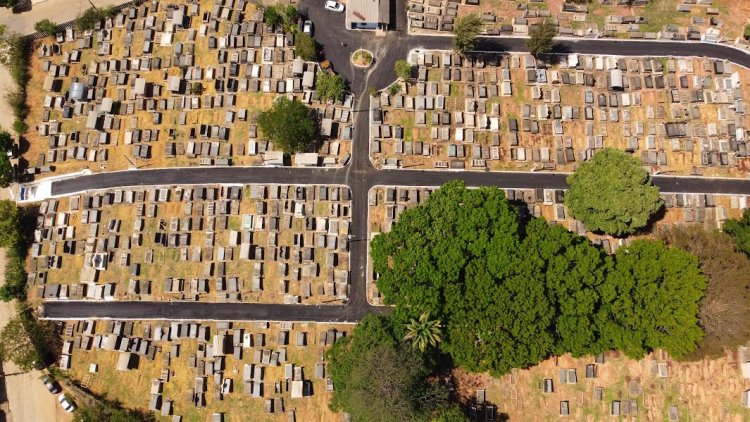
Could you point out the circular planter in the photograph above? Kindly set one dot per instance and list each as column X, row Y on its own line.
column 362, row 58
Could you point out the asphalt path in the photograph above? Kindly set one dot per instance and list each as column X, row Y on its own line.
column 337, row 45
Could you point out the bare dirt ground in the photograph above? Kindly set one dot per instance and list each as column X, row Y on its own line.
column 6, row 83
column 29, row 399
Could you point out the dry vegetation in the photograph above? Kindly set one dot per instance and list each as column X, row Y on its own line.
column 707, row 390
column 179, row 263
column 132, row 387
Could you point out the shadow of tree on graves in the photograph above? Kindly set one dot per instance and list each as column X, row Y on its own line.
column 98, row 407
column 558, row 51
column 650, row 225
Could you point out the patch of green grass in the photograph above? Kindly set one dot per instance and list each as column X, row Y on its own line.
column 519, row 93
column 736, row 409
column 598, row 20
column 664, row 61
column 408, row 124
column 234, row 223
column 659, row 13
column 454, row 90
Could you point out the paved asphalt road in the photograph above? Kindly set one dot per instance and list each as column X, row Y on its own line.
column 360, row 175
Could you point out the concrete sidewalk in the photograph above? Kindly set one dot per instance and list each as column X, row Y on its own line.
column 59, row 11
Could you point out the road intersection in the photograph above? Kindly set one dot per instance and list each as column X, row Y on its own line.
column 360, row 175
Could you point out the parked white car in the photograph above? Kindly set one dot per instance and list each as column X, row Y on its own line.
column 65, row 403
column 307, row 28
column 334, row 6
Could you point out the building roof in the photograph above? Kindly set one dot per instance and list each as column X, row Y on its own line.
column 368, row 11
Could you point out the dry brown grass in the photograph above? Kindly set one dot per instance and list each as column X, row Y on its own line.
column 132, row 387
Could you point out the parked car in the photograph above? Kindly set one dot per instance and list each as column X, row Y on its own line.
column 51, row 385
column 66, row 404
column 334, row 6
column 307, row 28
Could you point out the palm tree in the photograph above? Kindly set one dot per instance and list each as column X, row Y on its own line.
column 423, row 332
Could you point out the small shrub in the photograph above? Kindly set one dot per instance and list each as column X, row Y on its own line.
column 197, row 89
column 20, row 127
column 394, row 89
column 291, row 15
column 271, row 16
column 16, row 99
column 372, row 91
column 92, row 16
column 46, row 27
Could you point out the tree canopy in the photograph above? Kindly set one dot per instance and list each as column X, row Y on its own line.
column 16, row 346
column 92, row 16
column 739, row 230
column 510, row 293
column 330, row 87
column 280, row 14
column 305, row 47
column 403, row 69
column 725, row 309
column 465, row 32
column 6, row 168
column 289, row 124
column 377, row 378
column 612, row 193
column 46, row 27
column 541, row 38
column 10, row 219
column 111, row 412
column 652, row 297
column 29, row 343
column 9, row 3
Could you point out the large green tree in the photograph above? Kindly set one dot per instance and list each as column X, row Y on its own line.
column 612, row 193
column 725, row 309
column 377, row 378
column 652, row 298
column 330, row 87
column 456, row 258
column 289, row 124
column 541, row 38
column 573, row 271
column 465, row 32
column 739, row 230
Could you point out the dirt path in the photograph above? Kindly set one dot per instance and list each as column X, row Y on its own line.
column 29, row 399
column 6, row 115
